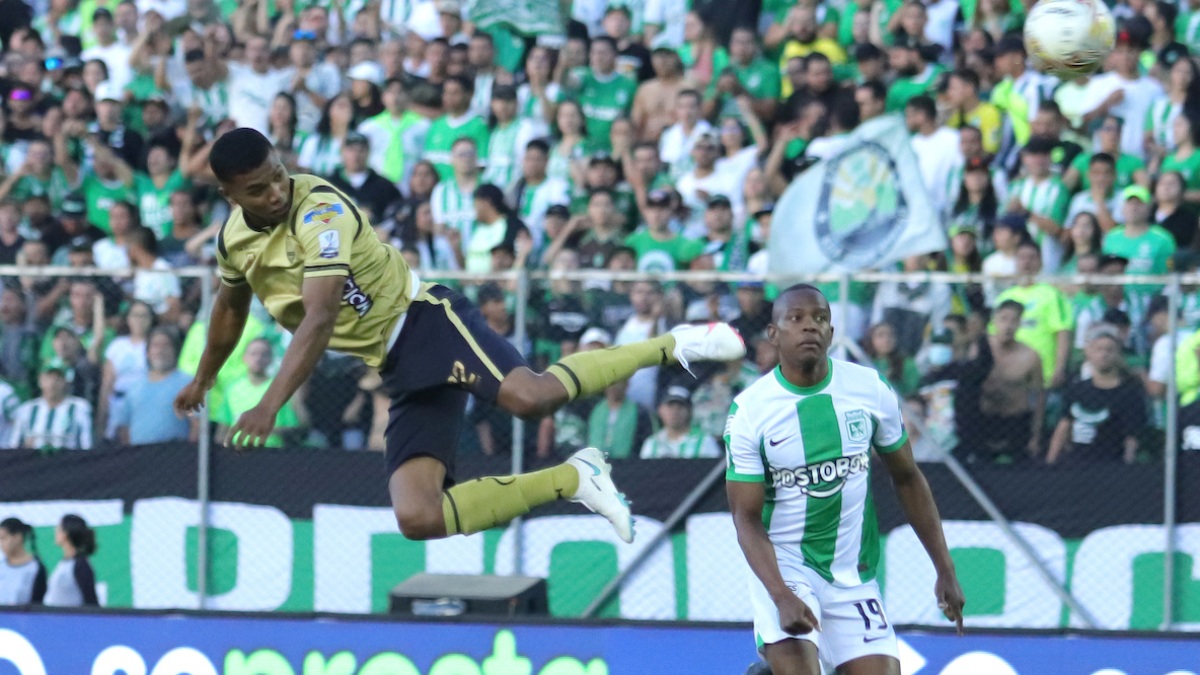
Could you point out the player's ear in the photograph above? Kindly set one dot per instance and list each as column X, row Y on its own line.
column 225, row 195
column 772, row 334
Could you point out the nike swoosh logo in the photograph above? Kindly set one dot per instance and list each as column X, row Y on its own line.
column 595, row 469
column 867, row 639
column 775, row 443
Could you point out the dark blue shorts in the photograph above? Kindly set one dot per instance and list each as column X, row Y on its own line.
column 445, row 352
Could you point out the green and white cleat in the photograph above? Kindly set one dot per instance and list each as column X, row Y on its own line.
column 598, row 492
column 707, row 342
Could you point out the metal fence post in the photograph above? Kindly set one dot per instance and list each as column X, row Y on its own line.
column 518, row 427
column 843, row 310
column 204, row 457
column 1169, row 456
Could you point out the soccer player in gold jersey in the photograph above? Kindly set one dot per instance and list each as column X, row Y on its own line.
column 313, row 260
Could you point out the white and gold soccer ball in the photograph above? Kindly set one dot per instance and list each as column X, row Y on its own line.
column 1069, row 38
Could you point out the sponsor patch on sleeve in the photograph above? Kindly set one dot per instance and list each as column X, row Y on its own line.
column 323, row 213
column 330, row 243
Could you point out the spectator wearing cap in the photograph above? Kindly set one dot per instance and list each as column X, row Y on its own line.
column 603, row 93
column 71, row 225
column 495, row 225
column 1101, row 199
column 678, row 438
column 55, row 420
column 915, row 76
column 109, row 127
column 144, row 414
column 966, row 109
column 1130, row 169
column 1041, row 199
column 534, row 193
column 114, row 53
column 1125, row 92
column 40, row 174
column 1104, row 413
column 366, row 81
column 396, row 135
column 703, row 182
column 730, row 250
column 659, row 248
column 1047, row 321
column 616, row 424
column 748, row 75
column 510, row 135
column 1149, row 248
column 759, row 261
column 457, row 123
column 1018, row 96
column 678, row 140
column 310, row 81
column 372, row 192
column 936, row 148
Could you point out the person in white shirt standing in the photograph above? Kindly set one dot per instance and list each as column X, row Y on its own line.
column 53, row 421
column 253, row 86
column 109, row 49
column 936, row 148
column 675, row 145
column 799, row 445
column 1125, row 93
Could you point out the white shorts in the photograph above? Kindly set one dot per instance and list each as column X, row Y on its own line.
column 853, row 621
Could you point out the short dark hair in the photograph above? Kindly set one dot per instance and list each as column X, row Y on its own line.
column 690, row 92
column 816, row 57
column 780, row 303
column 1011, row 304
column 923, row 104
column 878, row 91
column 237, row 153
column 1102, row 158
column 605, row 39
column 967, row 75
column 145, row 238
column 492, row 195
column 539, row 145
column 467, row 83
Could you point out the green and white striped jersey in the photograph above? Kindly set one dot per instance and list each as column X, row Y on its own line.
column 453, row 206
column 694, row 445
column 812, row 448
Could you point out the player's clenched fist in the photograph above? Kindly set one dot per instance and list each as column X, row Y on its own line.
column 795, row 617
column 190, row 399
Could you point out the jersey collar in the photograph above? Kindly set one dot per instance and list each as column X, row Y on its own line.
column 805, row 391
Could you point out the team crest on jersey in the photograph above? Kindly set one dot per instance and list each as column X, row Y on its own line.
column 290, row 249
column 856, row 425
column 330, row 244
column 323, row 213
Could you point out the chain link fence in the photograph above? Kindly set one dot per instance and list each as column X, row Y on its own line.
column 1053, row 431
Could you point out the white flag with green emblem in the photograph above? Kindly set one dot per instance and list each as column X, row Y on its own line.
column 525, row 17
column 864, row 207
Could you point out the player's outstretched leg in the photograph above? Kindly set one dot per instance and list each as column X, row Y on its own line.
column 585, row 478
column 492, row 501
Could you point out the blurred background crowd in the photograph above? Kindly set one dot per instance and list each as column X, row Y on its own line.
column 639, row 135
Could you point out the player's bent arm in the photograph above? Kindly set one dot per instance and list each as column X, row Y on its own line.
column 230, row 310
column 746, row 503
column 917, row 500
column 322, row 298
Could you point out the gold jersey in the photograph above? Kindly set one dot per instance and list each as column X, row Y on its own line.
column 324, row 235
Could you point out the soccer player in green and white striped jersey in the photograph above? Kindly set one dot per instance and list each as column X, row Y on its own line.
column 799, row 445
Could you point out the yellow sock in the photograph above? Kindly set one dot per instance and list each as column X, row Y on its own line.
column 484, row 503
column 587, row 373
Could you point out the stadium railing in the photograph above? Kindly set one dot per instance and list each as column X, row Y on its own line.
column 1089, row 542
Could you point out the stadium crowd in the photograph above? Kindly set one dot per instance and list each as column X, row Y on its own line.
column 649, row 135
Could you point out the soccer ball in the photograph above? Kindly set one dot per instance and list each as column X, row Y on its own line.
column 1069, row 38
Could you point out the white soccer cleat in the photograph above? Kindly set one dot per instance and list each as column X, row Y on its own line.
column 598, row 492
column 707, row 342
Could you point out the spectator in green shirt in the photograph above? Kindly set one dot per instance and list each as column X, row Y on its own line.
column 1046, row 322
column 1148, row 247
column 755, row 77
column 658, row 247
column 604, row 94
column 245, row 392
